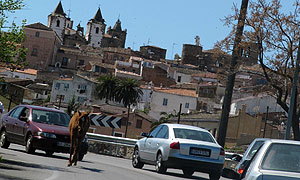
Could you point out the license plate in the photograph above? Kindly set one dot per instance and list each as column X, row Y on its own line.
column 200, row 152
column 63, row 144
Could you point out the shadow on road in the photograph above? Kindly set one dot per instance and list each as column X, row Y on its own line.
column 31, row 165
column 178, row 175
column 7, row 177
column 91, row 169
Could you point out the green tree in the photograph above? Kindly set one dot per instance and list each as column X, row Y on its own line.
column 276, row 33
column 128, row 92
column 11, row 36
column 163, row 119
column 106, row 88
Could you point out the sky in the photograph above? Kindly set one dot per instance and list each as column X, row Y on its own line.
column 164, row 23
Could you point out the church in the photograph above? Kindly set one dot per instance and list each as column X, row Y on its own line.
column 94, row 36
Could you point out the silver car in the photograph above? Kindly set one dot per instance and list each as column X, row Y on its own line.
column 249, row 153
column 274, row 160
column 179, row 146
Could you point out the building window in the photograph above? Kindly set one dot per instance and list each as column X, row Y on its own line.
column 187, row 105
column 80, row 99
column 179, row 79
column 165, row 102
column 139, row 123
column 34, row 52
column 81, row 62
column 65, row 61
column 57, row 85
column 37, row 34
column 96, row 68
column 57, row 23
column 97, row 30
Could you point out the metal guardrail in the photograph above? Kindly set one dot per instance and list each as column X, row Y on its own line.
column 112, row 139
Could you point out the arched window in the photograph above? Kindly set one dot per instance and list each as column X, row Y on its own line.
column 57, row 23
column 97, row 30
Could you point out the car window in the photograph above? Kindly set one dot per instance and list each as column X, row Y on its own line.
column 16, row 113
column 50, row 117
column 282, row 157
column 155, row 131
column 25, row 113
column 254, row 148
column 163, row 133
column 193, row 135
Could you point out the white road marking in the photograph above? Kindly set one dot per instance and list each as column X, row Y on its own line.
column 54, row 176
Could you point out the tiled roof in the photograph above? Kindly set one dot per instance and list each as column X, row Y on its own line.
column 182, row 92
column 28, row 71
column 38, row 26
column 186, row 71
column 206, row 75
column 98, row 16
column 105, row 65
column 199, row 116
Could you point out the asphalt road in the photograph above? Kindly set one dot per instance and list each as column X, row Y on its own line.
column 16, row 164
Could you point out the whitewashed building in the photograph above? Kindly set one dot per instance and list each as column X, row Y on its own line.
column 256, row 104
column 79, row 87
column 19, row 74
column 169, row 100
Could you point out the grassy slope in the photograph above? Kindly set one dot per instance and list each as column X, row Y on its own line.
column 6, row 103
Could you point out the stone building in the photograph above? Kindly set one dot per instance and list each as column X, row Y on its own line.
column 42, row 44
column 115, row 37
column 153, row 52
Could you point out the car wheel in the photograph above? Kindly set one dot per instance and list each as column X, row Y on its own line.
column 4, row 143
column 188, row 172
column 214, row 176
column 159, row 165
column 136, row 163
column 29, row 145
column 49, row 153
column 80, row 157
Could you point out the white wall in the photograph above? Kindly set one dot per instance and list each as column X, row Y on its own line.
column 91, row 36
column 173, row 103
column 255, row 104
column 185, row 78
column 19, row 75
column 52, row 24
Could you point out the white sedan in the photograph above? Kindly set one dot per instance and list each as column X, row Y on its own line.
column 180, row 146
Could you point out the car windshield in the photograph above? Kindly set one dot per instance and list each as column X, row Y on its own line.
column 50, row 117
column 193, row 135
column 282, row 157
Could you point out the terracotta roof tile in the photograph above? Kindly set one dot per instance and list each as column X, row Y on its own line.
column 183, row 92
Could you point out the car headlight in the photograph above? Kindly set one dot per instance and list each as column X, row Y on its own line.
column 47, row 135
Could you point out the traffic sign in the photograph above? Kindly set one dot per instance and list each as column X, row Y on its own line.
column 105, row 121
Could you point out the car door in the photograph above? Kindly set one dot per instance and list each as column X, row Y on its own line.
column 15, row 127
column 9, row 121
column 21, row 125
column 159, row 141
column 148, row 144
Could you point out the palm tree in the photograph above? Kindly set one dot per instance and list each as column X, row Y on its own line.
column 164, row 119
column 106, row 88
column 128, row 92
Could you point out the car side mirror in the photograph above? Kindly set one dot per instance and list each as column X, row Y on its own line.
column 230, row 174
column 145, row 134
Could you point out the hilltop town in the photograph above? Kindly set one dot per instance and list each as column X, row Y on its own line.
column 65, row 60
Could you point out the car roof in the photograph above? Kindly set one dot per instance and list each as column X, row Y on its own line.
column 41, row 108
column 283, row 141
column 185, row 127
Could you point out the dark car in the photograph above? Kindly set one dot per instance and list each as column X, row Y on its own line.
column 38, row 127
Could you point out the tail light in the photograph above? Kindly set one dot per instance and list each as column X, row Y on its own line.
column 240, row 171
column 175, row 145
column 222, row 152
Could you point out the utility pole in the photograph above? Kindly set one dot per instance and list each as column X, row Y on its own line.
column 178, row 120
column 293, row 96
column 231, row 77
column 266, row 119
